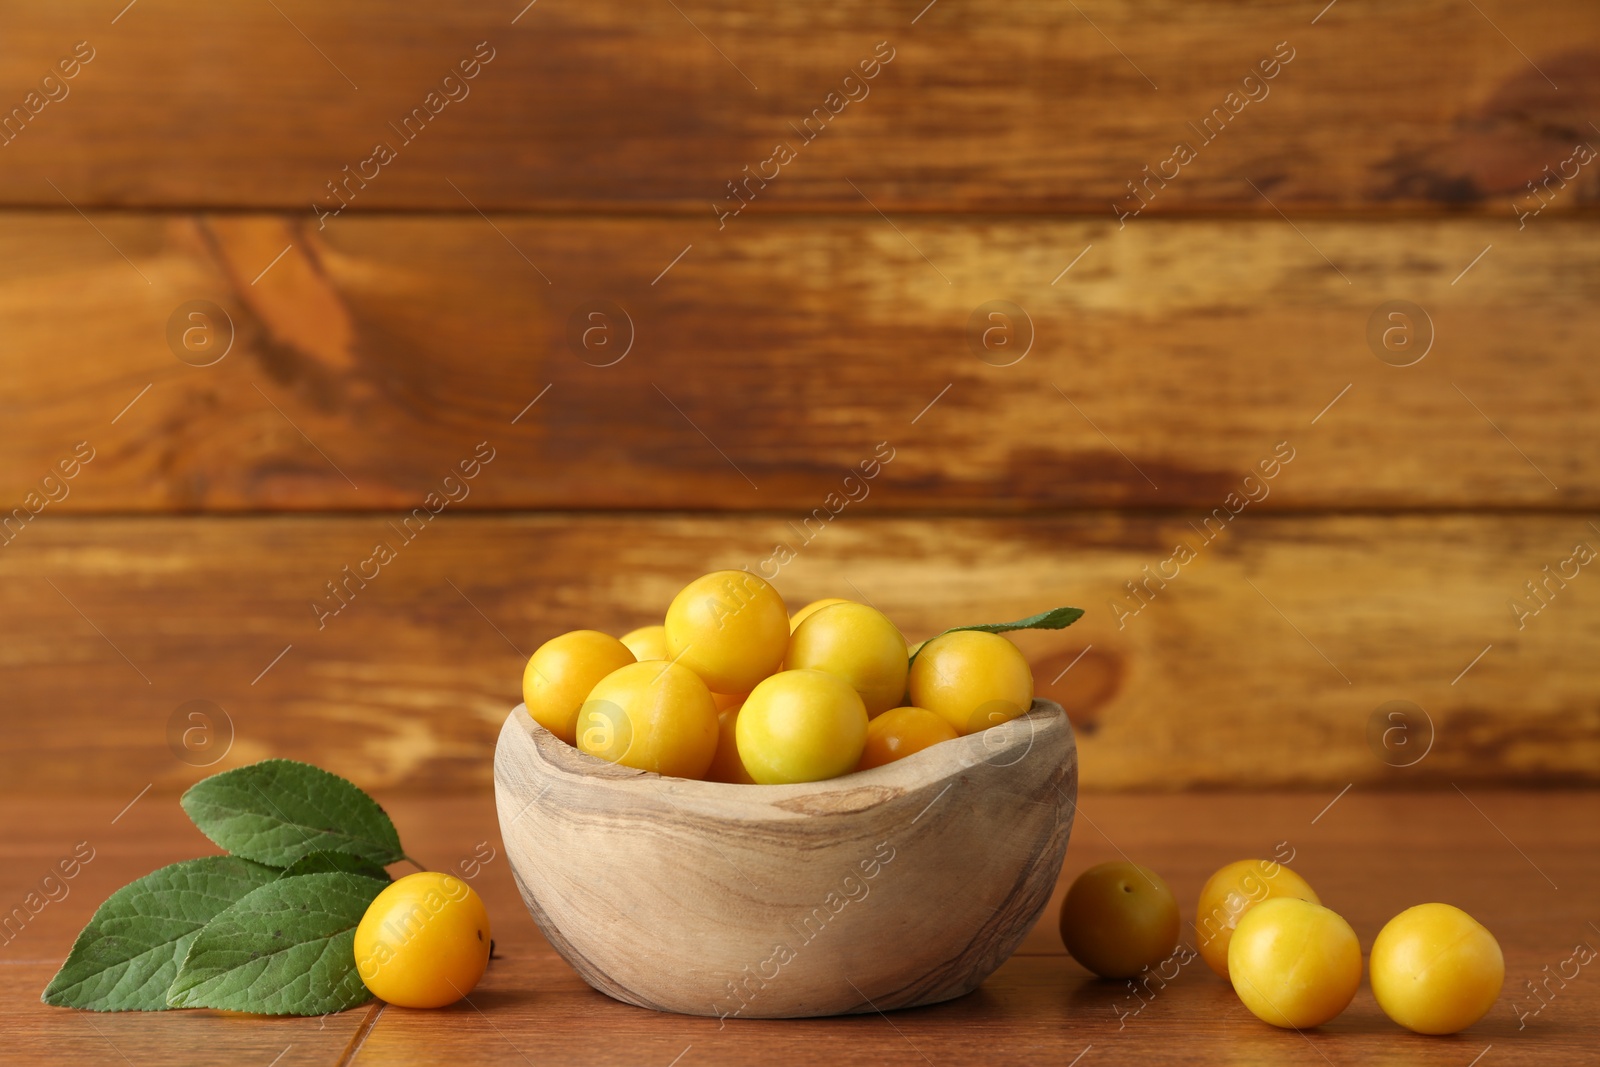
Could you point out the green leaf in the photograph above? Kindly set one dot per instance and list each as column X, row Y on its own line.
column 1054, row 619
column 326, row 862
column 279, row 811
column 127, row 956
column 287, row 948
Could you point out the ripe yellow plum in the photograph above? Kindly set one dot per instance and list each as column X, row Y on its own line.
column 1119, row 918
column 816, row 605
column 801, row 726
column 1294, row 963
column 1232, row 891
column 1436, row 969
column 561, row 672
column 424, row 941
column 647, row 642
column 899, row 732
column 859, row 644
column 973, row 679
column 728, row 627
column 656, row 716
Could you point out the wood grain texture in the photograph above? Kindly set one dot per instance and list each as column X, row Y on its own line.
column 1369, row 855
column 368, row 360
column 1264, row 662
column 1012, row 106
column 790, row 901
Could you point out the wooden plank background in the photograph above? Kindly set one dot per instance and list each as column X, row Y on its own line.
column 1192, row 347
column 1262, row 664
column 438, row 317
column 1020, row 105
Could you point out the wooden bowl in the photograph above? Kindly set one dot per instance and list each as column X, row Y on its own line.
column 907, row 884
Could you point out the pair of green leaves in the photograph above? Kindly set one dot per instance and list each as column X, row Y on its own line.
column 268, row 929
column 1054, row 619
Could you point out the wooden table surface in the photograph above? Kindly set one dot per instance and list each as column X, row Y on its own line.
column 1527, row 864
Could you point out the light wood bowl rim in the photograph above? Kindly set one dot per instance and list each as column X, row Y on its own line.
column 854, row 792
